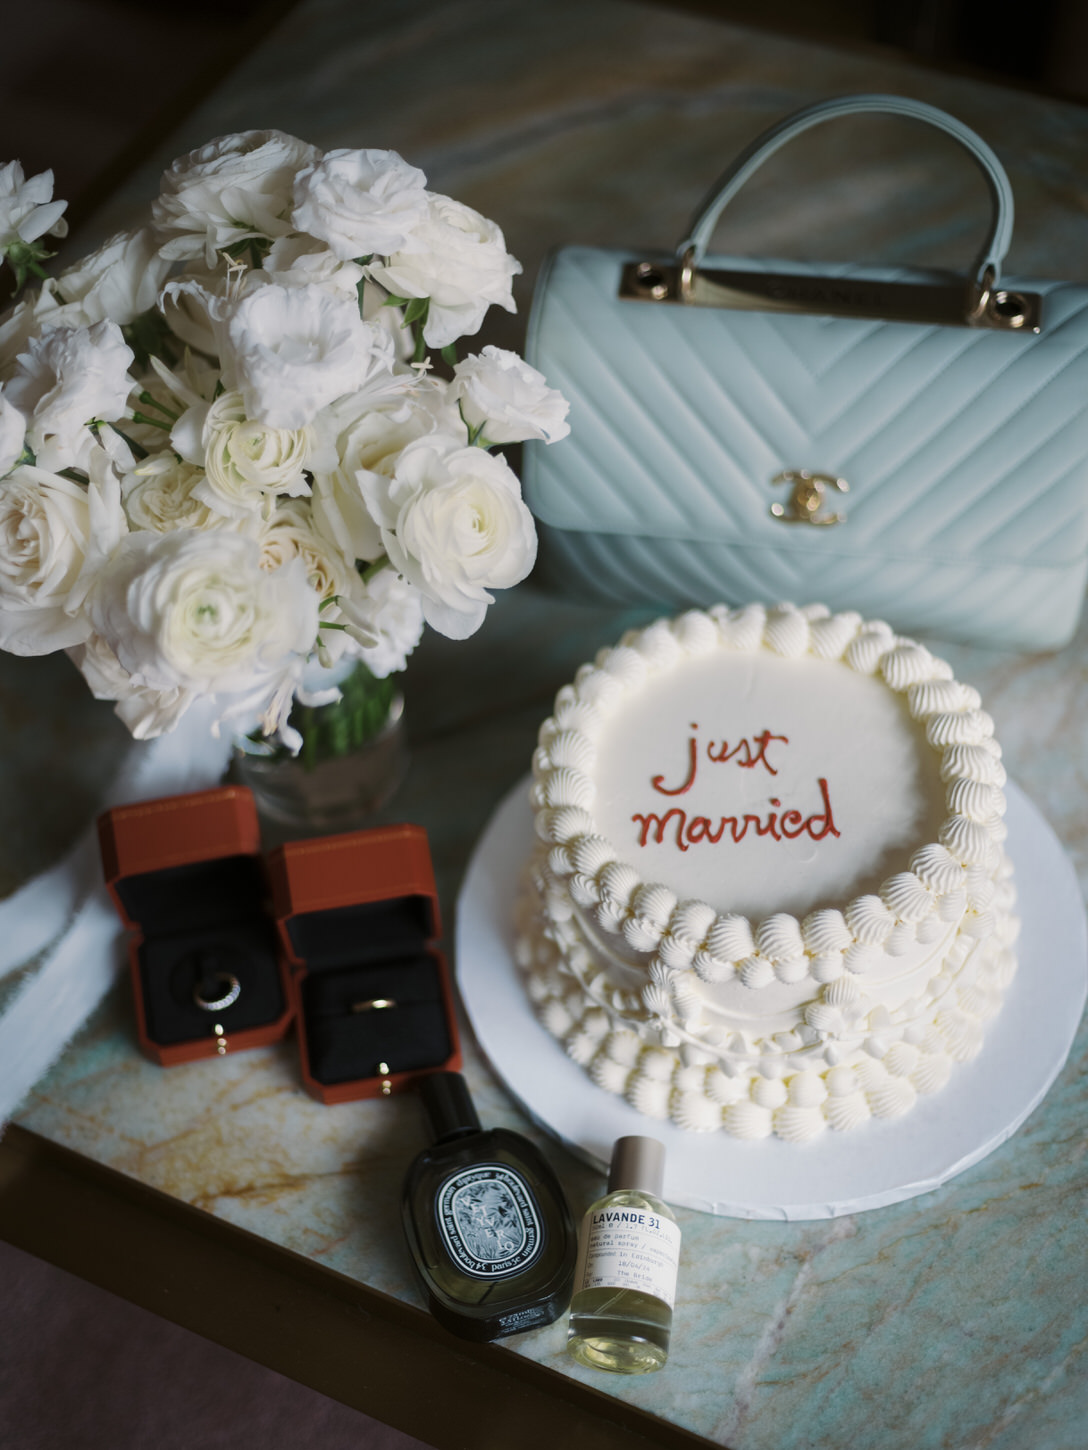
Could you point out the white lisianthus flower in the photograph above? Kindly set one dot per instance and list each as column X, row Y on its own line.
column 299, row 261
column 508, row 400
column 233, row 188
column 27, row 211
column 384, row 618
column 246, row 461
column 454, row 524
column 12, row 434
column 119, row 281
column 158, row 496
column 459, row 260
column 194, row 610
column 294, row 350
column 361, row 202
column 145, row 712
column 53, row 533
column 69, row 377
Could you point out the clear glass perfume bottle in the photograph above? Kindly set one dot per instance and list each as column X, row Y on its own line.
column 489, row 1229
column 628, row 1254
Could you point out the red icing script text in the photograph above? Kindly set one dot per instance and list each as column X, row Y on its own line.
column 688, row 829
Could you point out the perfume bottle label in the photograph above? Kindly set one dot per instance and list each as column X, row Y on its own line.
column 489, row 1222
column 630, row 1248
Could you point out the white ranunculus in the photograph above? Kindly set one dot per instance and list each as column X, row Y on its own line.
column 459, row 260
column 146, row 712
column 294, row 350
column 454, row 524
column 384, row 618
column 290, row 534
column 233, row 188
column 119, row 281
column 27, row 211
column 67, row 378
column 246, row 461
column 158, row 495
column 12, row 434
column 194, row 610
column 509, row 400
column 361, row 203
column 368, row 440
column 45, row 530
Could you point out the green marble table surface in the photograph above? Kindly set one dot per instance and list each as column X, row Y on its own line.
column 957, row 1319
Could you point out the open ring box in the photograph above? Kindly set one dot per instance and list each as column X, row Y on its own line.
column 359, row 924
column 186, row 876
column 227, row 948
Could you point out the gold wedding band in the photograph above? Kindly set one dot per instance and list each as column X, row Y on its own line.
column 373, row 1004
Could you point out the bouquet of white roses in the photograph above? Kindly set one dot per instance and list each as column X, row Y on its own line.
column 224, row 450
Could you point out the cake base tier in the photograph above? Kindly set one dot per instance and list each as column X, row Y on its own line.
column 881, row 1162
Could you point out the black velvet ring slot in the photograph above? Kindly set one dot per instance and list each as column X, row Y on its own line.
column 344, row 1044
column 173, row 968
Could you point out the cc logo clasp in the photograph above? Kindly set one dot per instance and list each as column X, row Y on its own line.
column 808, row 497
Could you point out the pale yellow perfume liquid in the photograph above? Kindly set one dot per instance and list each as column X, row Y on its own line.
column 625, row 1330
column 622, row 1330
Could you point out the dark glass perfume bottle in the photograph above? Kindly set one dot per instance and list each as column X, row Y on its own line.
column 488, row 1226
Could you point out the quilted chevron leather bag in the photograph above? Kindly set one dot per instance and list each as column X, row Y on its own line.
column 909, row 444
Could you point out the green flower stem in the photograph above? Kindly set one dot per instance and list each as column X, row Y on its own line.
column 330, row 731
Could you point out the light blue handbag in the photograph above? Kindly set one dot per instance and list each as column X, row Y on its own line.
column 909, row 444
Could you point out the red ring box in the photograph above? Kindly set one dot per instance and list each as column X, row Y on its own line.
column 359, row 923
column 186, row 876
column 339, row 932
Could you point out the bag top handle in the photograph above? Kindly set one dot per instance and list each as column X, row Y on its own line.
column 998, row 238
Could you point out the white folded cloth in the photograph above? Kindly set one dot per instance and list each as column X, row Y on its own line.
column 65, row 918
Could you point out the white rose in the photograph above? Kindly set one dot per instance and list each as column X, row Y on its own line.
column 119, row 281
column 67, row 378
column 146, row 712
column 233, row 188
column 294, row 350
column 384, row 618
column 453, row 523
column 194, row 610
column 360, row 202
column 158, row 495
column 12, row 434
column 246, row 461
column 507, row 399
column 45, row 531
column 459, row 260
column 26, row 209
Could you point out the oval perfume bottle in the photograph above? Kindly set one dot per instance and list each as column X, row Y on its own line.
column 486, row 1221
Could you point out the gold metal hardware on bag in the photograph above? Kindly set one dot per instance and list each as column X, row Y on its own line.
column 946, row 304
column 382, row 1070
column 808, row 497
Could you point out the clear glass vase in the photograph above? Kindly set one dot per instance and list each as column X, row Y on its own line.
column 354, row 756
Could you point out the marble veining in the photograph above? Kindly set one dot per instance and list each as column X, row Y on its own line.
column 956, row 1321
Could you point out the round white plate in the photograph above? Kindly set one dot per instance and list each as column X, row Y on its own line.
column 883, row 1162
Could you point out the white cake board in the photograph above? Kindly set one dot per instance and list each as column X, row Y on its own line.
column 882, row 1162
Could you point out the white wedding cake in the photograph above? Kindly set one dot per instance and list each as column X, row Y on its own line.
column 771, row 894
